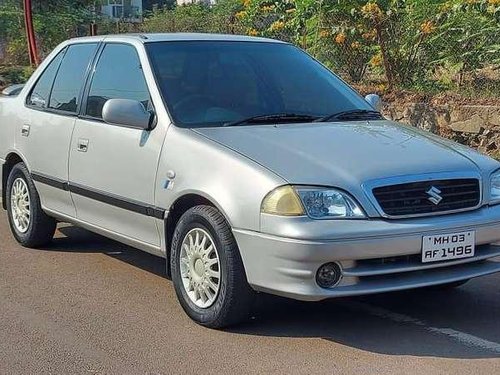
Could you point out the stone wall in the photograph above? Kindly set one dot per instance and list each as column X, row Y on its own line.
column 475, row 125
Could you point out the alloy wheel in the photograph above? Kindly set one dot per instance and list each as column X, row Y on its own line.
column 20, row 205
column 200, row 267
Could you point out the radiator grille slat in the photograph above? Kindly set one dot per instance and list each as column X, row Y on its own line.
column 412, row 198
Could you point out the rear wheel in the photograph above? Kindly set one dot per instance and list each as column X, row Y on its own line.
column 29, row 224
column 207, row 270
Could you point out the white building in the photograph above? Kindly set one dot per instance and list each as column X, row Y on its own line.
column 129, row 10
column 132, row 10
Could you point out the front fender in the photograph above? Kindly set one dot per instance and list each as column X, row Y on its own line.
column 235, row 184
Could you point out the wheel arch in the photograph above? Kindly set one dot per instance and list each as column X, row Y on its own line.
column 12, row 159
column 177, row 209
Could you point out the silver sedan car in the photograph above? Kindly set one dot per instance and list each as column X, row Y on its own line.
column 247, row 165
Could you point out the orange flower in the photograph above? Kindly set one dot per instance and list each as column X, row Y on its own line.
column 427, row 27
column 252, row 32
column 494, row 2
column 371, row 10
column 376, row 60
column 277, row 25
column 355, row 45
column 267, row 8
column 370, row 35
column 340, row 38
column 241, row 14
column 324, row 33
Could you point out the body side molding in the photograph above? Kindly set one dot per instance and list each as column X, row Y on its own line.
column 101, row 196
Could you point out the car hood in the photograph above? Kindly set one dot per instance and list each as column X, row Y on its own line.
column 347, row 154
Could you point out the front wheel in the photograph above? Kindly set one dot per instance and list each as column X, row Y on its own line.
column 29, row 224
column 207, row 270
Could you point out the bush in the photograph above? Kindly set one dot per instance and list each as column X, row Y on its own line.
column 10, row 75
column 220, row 18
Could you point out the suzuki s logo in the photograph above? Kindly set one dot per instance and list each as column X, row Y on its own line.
column 434, row 195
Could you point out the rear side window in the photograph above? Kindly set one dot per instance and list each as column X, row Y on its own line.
column 69, row 79
column 118, row 75
column 39, row 96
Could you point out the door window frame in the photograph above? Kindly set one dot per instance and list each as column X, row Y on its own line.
column 88, row 83
column 62, row 52
column 47, row 109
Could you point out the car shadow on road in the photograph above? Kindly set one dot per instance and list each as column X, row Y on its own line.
column 74, row 239
column 402, row 323
column 410, row 323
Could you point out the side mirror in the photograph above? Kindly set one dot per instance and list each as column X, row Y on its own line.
column 375, row 101
column 126, row 112
column 13, row 90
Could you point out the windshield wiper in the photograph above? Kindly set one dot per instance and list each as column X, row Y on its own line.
column 353, row 114
column 273, row 118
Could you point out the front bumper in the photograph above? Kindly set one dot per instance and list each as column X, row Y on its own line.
column 380, row 256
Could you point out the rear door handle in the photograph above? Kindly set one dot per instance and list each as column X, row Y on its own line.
column 83, row 145
column 25, row 130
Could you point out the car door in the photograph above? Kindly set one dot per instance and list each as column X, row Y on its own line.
column 45, row 138
column 113, row 168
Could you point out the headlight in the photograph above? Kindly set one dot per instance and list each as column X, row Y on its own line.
column 495, row 188
column 318, row 203
column 329, row 204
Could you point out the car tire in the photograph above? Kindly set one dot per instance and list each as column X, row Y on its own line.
column 29, row 224
column 205, row 226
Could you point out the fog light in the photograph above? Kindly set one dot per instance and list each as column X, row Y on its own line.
column 328, row 275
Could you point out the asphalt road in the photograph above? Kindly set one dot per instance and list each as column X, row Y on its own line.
column 88, row 305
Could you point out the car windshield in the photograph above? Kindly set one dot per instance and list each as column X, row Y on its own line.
column 216, row 83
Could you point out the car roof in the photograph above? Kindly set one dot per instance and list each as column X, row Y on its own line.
column 172, row 37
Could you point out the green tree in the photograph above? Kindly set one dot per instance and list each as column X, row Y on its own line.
column 468, row 37
column 54, row 22
column 184, row 18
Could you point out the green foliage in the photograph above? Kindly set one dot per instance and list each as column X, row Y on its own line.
column 223, row 17
column 54, row 21
column 468, row 38
column 14, row 74
column 193, row 18
column 406, row 43
column 418, row 45
column 344, row 40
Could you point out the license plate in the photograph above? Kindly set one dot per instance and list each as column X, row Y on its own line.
column 448, row 246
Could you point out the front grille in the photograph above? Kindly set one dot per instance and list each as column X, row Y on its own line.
column 413, row 198
column 396, row 260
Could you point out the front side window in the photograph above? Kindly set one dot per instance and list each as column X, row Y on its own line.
column 118, row 75
column 39, row 96
column 70, row 77
column 212, row 83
